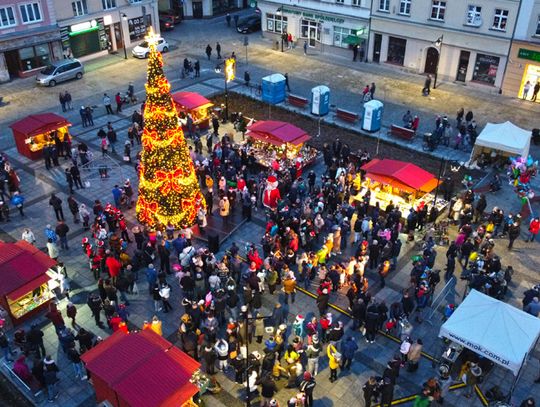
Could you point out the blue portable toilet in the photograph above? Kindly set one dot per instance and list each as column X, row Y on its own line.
column 320, row 100
column 372, row 115
column 273, row 88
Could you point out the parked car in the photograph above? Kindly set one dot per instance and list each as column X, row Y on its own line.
column 177, row 18
column 166, row 23
column 143, row 50
column 60, row 71
column 249, row 24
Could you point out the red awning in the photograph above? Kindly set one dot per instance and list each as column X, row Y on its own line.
column 190, row 100
column 277, row 133
column 28, row 287
column 21, row 266
column 143, row 369
column 402, row 175
column 39, row 123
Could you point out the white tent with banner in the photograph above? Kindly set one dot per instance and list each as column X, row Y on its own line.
column 506, row 138
column 494, row 330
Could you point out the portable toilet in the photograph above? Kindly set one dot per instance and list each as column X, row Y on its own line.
column 273, row 88
column 372, row 115
column 320, row 100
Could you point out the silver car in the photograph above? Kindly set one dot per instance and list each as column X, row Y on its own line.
column 60, row 71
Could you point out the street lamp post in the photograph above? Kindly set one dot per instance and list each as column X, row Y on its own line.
column 454, row 167
column 438, row 44
column 247, row 319
column 280, row 11
column 122, row 17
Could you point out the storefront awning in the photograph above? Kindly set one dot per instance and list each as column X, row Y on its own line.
column 277, row 133
column 39, row 123
column 353, row 40
column 399, row 174
column 190, row 100
column 22, row 265
column 28, row 287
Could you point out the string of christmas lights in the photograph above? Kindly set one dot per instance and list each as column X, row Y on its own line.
column 169, row 191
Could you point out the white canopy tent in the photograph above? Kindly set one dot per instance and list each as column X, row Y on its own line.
column 493, row 329
column 506, row 138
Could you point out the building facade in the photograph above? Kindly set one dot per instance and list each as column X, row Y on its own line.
column 460, row 41
column 524, row 57
column 29, row 37
column 341, row 24
column 210, row 8
column 90, row 28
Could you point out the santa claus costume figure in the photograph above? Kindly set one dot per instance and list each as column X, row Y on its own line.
column 271, row 194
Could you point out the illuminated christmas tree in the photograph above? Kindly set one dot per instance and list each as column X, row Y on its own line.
column 169, row 191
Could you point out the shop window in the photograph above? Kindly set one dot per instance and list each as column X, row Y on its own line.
column 500, row 19
column 340, row 33
column 7, row 17
column 34, row 57
column 310, row 29
column 108, row 4
column 405, row 7
column 275, row 23
column 438, row 9
column 384, row 5
column 485, row 69
column 357, row 3
column 474, row 15
column 396, row 50
column 30, row 13
column 80, row 8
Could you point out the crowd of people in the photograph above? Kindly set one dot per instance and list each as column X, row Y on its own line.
column 320, row 237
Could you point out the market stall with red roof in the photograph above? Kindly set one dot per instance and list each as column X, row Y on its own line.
column 280, row 145
column 403, row 183
column 194, row 104
column 25, row 273
column 36, row 131
column 141, row 369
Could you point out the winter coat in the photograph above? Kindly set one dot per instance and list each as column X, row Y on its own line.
column 415, row 353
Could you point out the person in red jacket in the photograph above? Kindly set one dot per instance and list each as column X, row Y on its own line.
column 55, row 317
column 114, row 267
column 534, row 228
column 115, row 322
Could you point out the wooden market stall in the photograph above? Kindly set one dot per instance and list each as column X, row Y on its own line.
column 194, row 104
column 25, row 274
column 276, row 143
column 34, row 132
column 403, row 183
column 141, row 369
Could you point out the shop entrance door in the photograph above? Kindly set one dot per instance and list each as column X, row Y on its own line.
column 377, row 48
column 462, row 66
column 118, row 36
column 197, row 9
column 432, row 60
column 312, row 36
column 13, row 63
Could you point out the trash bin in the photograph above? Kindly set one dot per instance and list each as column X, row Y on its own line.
column 372, row 115
column 273, row 88
column 320, row 100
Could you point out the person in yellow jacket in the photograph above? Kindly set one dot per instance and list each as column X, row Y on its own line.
column 289, row 288
column 156, row 326
column 224, row 208
column 334, row 358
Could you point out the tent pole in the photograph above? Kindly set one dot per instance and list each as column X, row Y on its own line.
column 516, row 379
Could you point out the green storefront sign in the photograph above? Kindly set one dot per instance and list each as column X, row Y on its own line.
column 314, row 16
column 529, row 54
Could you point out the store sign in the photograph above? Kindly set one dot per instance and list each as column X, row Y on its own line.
column 86, row 26
column 314, row 16
column 529, row 54
column 137, row 28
